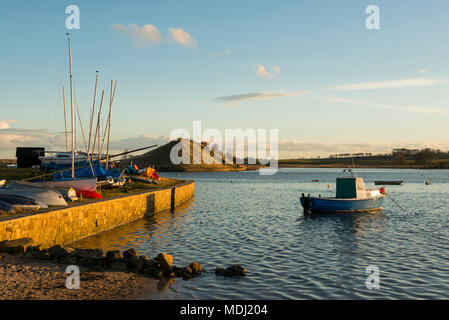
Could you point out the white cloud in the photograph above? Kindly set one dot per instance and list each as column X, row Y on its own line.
column 233, row 99
column 182, row 37
column 276, row 69
column 4, row 124
column 261, row 71
column 423, row 71
column 427, row 110
column 147, row 34
column 402, row 83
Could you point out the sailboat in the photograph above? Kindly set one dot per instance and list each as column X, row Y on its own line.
column 80, row 184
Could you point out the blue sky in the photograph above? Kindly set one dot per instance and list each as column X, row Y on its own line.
column 304, row 54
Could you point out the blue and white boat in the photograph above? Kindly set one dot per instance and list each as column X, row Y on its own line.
column 351, row 196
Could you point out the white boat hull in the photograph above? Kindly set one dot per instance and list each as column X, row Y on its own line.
column 77, row 184
column 43, row 195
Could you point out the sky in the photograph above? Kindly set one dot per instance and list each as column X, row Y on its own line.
column 311, row 69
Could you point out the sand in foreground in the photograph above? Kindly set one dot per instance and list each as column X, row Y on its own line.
column 28, row 279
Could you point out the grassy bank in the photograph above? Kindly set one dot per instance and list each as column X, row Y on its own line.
column 362, row 163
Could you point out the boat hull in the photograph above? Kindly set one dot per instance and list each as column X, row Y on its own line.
column 393, row 183
column 335, row 205
column 44, row 195
column 77, row 184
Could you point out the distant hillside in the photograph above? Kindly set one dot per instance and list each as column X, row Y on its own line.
column 191, row 159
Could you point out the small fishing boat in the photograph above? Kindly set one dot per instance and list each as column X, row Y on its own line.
column 44, row 195
column 351, row 196
column 388, row 182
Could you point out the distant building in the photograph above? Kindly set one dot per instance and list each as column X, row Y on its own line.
column 29, row 156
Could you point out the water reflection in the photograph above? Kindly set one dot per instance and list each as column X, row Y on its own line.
column 157, row 228
column 257, row 222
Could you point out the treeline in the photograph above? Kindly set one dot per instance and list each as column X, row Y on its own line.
column 424, row 157
column 429, row 158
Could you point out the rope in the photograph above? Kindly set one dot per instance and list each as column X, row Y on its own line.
column 394, row 201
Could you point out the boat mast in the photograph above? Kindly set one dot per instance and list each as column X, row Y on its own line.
column 112, row 95
column 97, row 133
column 65, row 122
column 92, row 116
column 71, row 108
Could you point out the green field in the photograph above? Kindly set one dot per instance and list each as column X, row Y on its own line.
column 390, row 163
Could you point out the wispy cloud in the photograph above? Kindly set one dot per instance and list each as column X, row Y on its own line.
column 233, row 99
column 276, row 69
column 261, row 71
column 423, row 71
column 389, row 84
column 222, row 53
column 182, row 37
column 147, row 34
column 419, row 109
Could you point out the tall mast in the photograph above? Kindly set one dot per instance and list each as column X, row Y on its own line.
column 96, row 128
column 92, row 114
column 112, row 95
column 65, row 122
column 71, row 109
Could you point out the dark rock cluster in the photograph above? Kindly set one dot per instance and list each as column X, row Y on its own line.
column 160, row 266
column 234, row 270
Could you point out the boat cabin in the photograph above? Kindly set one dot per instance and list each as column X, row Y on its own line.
column 350, row 187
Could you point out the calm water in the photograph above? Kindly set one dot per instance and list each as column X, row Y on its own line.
column 257, row 221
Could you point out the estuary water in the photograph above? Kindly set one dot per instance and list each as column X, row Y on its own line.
column 257, row 221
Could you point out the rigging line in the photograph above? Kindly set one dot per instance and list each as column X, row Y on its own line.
column 81, row 123
column 394, row 201
column 82, row 133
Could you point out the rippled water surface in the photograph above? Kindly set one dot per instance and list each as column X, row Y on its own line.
column 257, row 221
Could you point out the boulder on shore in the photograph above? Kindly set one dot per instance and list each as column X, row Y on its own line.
column 128, row 254
column 88, row 253
column 230, row 271
column 196, row 268
column 114, row 255
column 165, row 260
column 15, row 246
column 57, row 252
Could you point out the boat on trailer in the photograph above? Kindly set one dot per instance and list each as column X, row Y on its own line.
column 351, row 197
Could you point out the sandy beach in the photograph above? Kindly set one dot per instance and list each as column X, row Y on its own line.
column 29, row 279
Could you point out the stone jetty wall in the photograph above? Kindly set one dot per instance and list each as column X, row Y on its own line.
column 66, row 225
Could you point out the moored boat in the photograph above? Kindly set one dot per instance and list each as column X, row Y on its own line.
column 351, row 196
column 388, row 182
